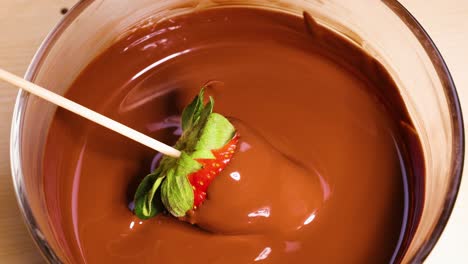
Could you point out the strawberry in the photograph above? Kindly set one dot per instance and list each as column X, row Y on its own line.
column 211, row 168
column 179, row 184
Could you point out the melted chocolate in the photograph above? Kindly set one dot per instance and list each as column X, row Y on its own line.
column 323, row 167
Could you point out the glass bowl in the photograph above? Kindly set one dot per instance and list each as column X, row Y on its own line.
column 384, row 29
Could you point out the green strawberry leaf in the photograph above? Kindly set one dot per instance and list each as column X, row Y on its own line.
column 215, row 134
column 177, row 193
column 192, row 112
column 192, row 135
column 147, row 198
column 145, row 207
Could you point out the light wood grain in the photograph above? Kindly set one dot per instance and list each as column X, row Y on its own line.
column 25, row 23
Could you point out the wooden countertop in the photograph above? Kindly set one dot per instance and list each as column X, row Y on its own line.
column 25, row 23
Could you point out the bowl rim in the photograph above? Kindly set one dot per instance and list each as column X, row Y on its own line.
column 398, row 9
column 457, row 121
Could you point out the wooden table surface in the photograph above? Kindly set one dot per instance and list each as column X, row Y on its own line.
column 25, row 23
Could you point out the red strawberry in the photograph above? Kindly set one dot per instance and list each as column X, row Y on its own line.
column 201, row 179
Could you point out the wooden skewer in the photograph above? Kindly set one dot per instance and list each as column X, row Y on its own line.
column 88, row 114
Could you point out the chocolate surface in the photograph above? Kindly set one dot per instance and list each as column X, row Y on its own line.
column 323, row 173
